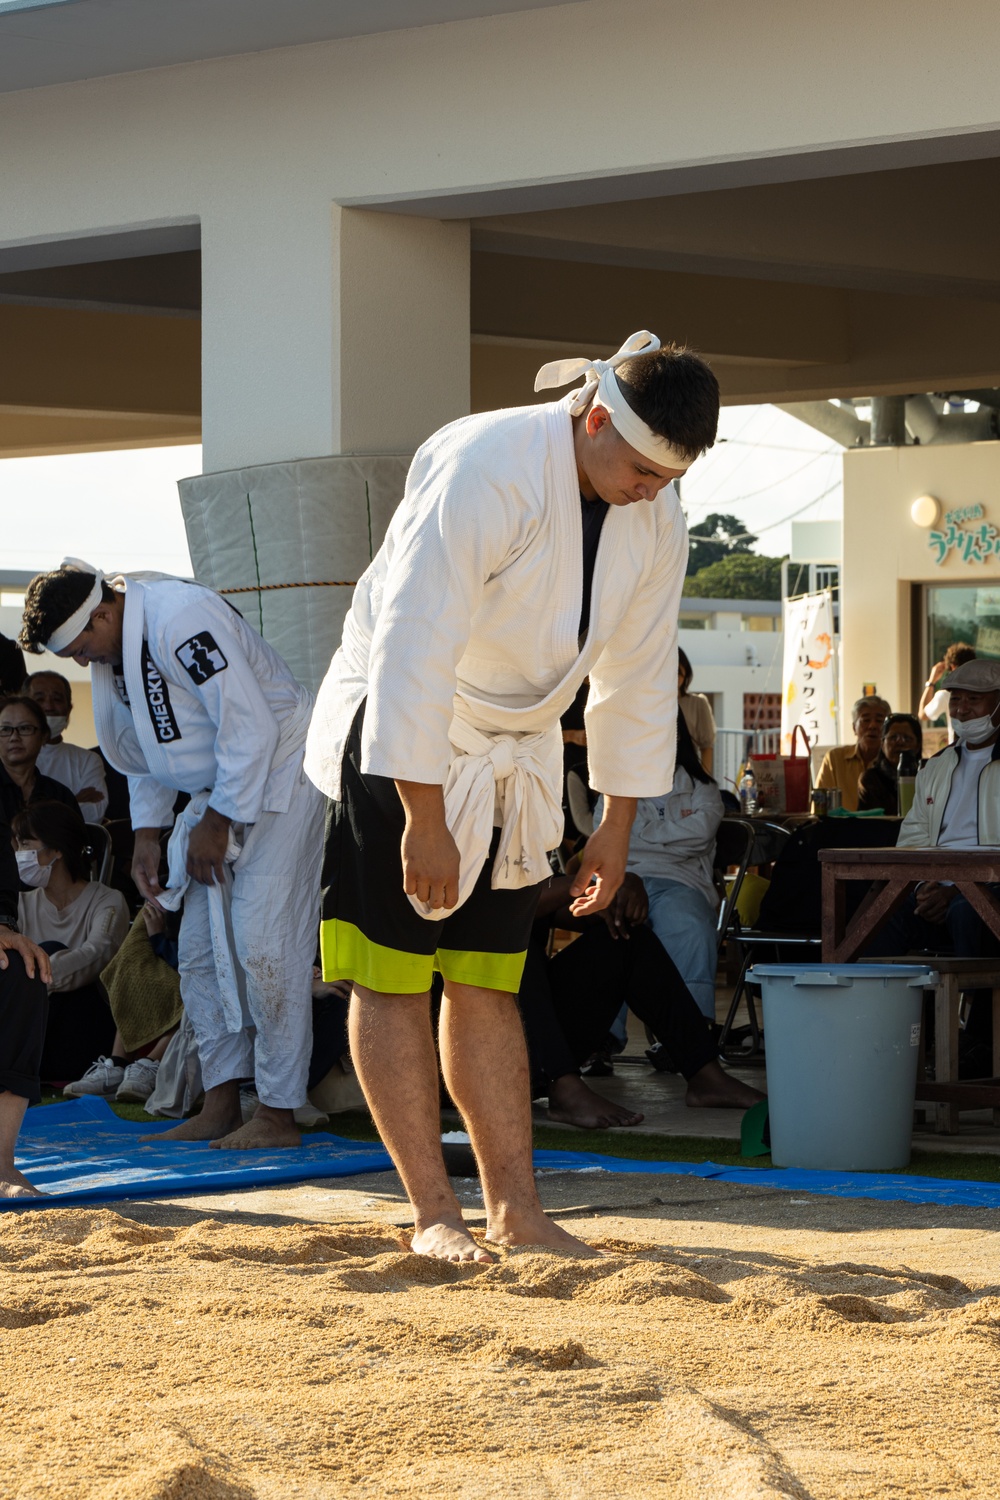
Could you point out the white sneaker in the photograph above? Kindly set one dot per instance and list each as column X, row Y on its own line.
column 138, row 1082
column 102, row 1078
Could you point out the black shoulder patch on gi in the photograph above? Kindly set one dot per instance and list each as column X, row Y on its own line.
column 201, row 657
column 165, row 726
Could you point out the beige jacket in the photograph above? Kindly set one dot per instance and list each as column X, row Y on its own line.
column 921, row 827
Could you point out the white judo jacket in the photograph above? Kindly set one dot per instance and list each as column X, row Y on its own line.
column 202, row 704
column 466, row 623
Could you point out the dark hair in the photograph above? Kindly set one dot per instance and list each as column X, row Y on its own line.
column 675, row 393
column 957, row 653
column 50, row 600
column 57, row 826
column 687, row 754
column 21, row 700
column 910, row 719
column 683, row 665
column 26, row 689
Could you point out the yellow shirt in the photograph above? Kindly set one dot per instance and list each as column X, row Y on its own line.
column 842, row 767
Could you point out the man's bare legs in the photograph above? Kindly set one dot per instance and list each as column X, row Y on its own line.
column 485, row 1064
column 13, row 1184
column 392, row 1048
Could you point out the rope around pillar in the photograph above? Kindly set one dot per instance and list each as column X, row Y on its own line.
column 263, row 588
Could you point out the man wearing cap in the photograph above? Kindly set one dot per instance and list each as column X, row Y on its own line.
column 956, row 805
column 533, row 547
column 187, row 697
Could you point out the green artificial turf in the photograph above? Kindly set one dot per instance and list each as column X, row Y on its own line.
column 356, row 1125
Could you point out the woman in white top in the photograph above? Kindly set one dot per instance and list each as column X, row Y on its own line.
column 934, row 698
column 697, row 712
column 79, row 922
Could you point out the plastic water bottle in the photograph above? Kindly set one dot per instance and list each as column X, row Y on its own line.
column 748, row 791
column 906, row 780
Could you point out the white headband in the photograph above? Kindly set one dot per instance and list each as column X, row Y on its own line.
column 65, row 634
column 601, row 383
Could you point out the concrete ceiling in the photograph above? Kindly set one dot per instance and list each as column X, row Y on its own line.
column 920, row 230
column 864, row 284
column 62, row 41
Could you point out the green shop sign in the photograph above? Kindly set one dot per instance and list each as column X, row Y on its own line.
column 972, row 543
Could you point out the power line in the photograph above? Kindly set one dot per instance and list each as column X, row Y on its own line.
column 751, row 536
column 752, row 494
column 777, row 447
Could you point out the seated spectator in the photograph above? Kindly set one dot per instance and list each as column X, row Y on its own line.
column 569, row 1001
column 934, row 698
column 79, row 769
column 23, row 732
column 956, row 806
column 671, row 849
column 877, row 785
column 24, row 973
column 80, row 923
column 697, row 713
column 842, row 766
column 144, row 993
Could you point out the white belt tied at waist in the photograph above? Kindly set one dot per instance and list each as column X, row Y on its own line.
column 516, row 772
column 220, row 898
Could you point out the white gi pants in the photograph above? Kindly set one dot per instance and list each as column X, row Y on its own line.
column 275, row 918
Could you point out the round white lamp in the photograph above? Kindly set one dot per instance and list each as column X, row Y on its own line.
column 926, row 511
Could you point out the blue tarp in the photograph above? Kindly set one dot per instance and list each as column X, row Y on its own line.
column 81, row 1151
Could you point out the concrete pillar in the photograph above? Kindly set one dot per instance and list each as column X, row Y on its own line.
column 329, row 330
column 334, row 344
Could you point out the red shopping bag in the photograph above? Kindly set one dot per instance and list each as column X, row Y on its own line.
column 783, row 780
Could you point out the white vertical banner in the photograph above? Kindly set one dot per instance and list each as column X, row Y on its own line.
column 809, row 672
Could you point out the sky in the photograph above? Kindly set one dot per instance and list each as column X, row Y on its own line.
column 121, row 510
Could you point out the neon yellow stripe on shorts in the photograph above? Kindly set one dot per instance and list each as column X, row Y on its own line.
column 348, row 954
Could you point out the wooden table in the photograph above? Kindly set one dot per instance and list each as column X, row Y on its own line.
column 893, row 874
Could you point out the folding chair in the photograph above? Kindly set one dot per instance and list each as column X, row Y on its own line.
column 734, row 844
column 101, row 852
column 756, row 943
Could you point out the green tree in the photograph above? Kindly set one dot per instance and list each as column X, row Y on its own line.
column 715, row 537
column 741, row 575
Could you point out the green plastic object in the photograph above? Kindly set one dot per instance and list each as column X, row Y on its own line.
column 755, row 1135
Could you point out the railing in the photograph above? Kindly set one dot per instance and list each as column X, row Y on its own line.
column 731, row 746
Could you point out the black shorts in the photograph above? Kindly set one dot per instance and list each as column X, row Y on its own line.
column 371, row 934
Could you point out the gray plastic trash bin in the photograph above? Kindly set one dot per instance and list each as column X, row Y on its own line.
column 842, row 1048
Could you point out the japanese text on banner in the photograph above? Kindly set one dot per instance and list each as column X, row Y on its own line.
column 809, row 672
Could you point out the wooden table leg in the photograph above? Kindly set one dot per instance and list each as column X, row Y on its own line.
column 946, row 1002
column 834, row 912
column 884, row 898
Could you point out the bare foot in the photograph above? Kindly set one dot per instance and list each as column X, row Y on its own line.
column 535, row 1228
column 713, row 1088
column 265, row 1130
column 14, row 1184
column 571, row 1102
column 208, row 1126
column 220, row 1114
column 449, row 1239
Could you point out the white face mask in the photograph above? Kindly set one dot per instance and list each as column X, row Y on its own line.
column 57, row 723
column 972, row 731
column 31, row 872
